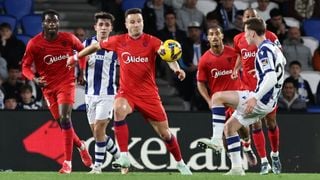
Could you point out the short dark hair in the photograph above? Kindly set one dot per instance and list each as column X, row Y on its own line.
column 216, row 27
column 295, row 62
column 275, row 12
column 170, row 11
column 290, row 80
column 257, row 25
column 103, row 15
column 50, row 12
column 25, row 87
column 132, row 11
column 5, row 25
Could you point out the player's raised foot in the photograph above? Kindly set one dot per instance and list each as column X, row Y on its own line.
column 184, row 169
column 96, row 169
column 214, row 143
column 121, row 162
column 251, row 157
column 235, row 172
column 85, row 156
column 66, row 168
column 276, row 164
column 265, row 168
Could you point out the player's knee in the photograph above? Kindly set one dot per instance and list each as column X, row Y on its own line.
column 217, row 97
column 257, row 125
column 65, row 121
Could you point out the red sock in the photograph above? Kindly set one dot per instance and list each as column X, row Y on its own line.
column 173, row 147
column 122, row 135
column 76, row 139
column 273, row 135
column 68, row 143
column 259, row 142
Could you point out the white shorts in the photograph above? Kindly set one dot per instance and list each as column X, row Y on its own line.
column 99, row 107
column 259, row 111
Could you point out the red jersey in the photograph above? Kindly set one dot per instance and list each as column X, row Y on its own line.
column 217, row 70
column 137, row 59
column 50, row 59
column 248, row 55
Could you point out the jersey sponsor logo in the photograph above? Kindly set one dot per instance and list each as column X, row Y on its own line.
column 247, row 54
column 50, row 59
column 128, row 58
column 216, row 73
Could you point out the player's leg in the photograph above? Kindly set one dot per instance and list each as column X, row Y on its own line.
column 234, row 146
column 162, row 129
column 273, row 134
column 244, row 133
column 121, row 109
column 260, row 144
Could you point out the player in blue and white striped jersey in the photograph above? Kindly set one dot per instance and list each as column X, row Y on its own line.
column 100, row 90
column 252, row 106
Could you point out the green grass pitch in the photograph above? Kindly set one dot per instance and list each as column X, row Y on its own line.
column 151, row 176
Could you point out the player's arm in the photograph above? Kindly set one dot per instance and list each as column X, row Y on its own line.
column 203, row 90
column 174, row 66
column 72, row 60
column 236, row 68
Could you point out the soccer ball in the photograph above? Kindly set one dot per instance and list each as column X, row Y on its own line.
column 170, row 50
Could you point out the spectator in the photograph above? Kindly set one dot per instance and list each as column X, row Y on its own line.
column 212, row 19
column 316, row 59
column 10, row 102
column 12, row 85
column 289, row 99
column 170, row 31
column 3, row 68
column 294, row 49
column 226, row 11
column 277, row 25
column 192, row 49
column 176, row 4
column 27, row 101
column 153, row 15
column 189, row 13
column 302, row 85
column 264, row 8
column 2, row 95
column 238, row 28
column 304, row 9
column 80, row 33
column 11, row 48
column 114, row 7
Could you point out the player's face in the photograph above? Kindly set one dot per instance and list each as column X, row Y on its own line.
column 134, row 24
column 50, row 24
column 103, row 27
column 250, row 13
column 249, row 35
column 215, row 37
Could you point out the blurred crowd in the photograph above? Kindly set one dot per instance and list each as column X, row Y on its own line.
column 187, row 21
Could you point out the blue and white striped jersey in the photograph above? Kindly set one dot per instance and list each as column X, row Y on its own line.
column 269, row 64
column 100, row 72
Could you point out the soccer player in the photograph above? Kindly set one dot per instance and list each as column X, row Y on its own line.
column 49, row 51
column 249, row 82
column 100, row 90
column 251, row 106
column 137, row 53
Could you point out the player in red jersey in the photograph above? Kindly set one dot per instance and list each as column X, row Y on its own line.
column 49, row 51
column 215, row 71
column 249, row 82
column 137, row 53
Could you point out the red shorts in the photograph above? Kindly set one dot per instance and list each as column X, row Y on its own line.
column 150, row 107
column 61, row 95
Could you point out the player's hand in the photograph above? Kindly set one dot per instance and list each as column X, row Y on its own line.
column 252, row 72
column 181, row 74
column 40, row 81
column 80, row 79
column 234, row 74
column 251, row 103
column 71, row 62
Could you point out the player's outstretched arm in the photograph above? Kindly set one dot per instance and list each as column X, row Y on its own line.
column 174, row 66
column 236, row 68
column 72, row 60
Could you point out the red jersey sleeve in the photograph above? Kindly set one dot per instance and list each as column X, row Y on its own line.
column 156, row 43
column 273, row 38
column 27, row 61
column 110, row 43
column 78, row 46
